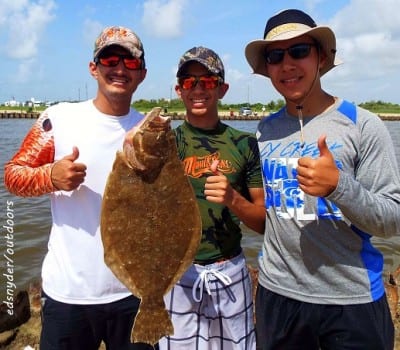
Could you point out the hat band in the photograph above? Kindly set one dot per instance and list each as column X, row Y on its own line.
column 284, row 28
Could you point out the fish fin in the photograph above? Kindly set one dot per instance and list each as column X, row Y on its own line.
column 152, row 322
column 130, row 159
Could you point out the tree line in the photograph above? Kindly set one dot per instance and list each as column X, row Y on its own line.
column 177, row 105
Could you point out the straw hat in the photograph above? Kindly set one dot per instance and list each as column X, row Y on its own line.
column 286, row 25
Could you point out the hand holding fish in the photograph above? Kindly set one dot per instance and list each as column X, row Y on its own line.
column 67, row 174
column 320, row 176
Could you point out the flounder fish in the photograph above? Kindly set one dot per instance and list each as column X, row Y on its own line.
column 150, row 222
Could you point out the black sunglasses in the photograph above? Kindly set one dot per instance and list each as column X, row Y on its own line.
column 112, row 60
column 296, row 51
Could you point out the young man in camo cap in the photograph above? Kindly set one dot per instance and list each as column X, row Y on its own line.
column 211, row 306
column 68, row 155
column 331, row 182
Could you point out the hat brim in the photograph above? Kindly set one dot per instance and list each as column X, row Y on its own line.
column 255, row 50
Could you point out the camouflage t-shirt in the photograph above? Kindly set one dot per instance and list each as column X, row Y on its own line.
column 239, row 161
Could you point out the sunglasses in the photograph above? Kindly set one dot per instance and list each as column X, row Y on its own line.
column 297, row 51
column 207, row 82
column 130, row 62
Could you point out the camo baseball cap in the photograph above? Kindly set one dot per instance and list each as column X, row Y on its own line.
column 206, row 57
column 120, row 36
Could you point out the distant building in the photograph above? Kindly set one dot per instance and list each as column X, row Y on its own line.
column 12, row 103
column 35, row 103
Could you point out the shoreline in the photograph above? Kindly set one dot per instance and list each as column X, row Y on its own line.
column 180, row 116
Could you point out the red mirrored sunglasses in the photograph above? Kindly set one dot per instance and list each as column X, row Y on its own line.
column 130, row 62
column 207, row 82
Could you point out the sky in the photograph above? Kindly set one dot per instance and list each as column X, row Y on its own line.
column 46, row 45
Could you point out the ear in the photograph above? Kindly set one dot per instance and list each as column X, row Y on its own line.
column 143, row 73
column 322, row 59
column 223, row 88
column 93, row 69
column 178, row 90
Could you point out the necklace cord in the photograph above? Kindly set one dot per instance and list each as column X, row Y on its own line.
column 299, row 107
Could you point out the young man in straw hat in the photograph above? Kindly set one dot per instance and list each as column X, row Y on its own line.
column 212, row 306
column 68, row 155
column 331, row 182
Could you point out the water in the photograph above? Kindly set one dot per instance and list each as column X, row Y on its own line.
column 25, row 222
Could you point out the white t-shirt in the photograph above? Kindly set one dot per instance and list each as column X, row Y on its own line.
column 74, row 270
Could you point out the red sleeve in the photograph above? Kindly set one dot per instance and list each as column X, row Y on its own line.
column 28, row 173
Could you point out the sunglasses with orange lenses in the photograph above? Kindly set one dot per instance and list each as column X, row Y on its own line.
column 207, row 82
column 130, row 62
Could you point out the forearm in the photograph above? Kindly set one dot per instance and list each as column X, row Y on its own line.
column 368, row 190
column 252, row 214
column 28, row 182
column 377, row 214
column 28, row 173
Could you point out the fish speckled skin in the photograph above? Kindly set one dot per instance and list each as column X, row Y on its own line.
column 150, row 222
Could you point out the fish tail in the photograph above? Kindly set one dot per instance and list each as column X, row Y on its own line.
column 152, row 322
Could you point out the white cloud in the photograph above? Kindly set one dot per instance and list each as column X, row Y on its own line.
column 361, row 16
column 233, row 75
column 367, row 35
column 311, row 5
column 25, row 69
column 163, row 18
column 368, row 41
column 91, row 29
column 8, row 7
column 25, row 22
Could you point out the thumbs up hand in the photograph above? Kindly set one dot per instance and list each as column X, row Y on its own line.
column 319, row 176
column 217, row 188
column 66, row 174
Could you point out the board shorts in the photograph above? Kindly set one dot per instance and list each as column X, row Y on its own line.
column 211, row 307
column 285, row 323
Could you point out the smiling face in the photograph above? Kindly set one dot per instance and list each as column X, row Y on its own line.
column 116, row 85
column 297, row 78
column 201, row 104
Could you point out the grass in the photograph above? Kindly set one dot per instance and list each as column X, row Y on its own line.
column 379, row 109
